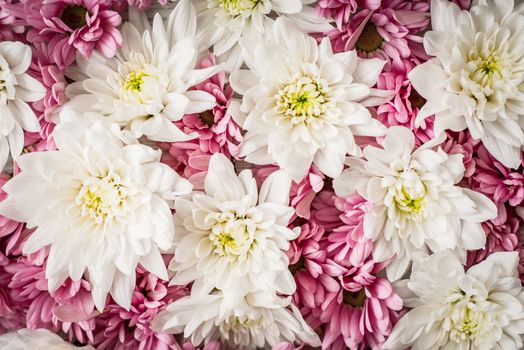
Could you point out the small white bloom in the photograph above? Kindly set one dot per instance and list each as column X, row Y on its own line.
column 255, row 321
column 223, row 24
column 304, row 104
column 101, row 206
column 37, row 339
column 144, row 88
column 417, row 204
column 478, row 309
column 232, row 237
column 16, row 88
column 475, row 80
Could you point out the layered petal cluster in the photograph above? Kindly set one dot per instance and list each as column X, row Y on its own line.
column 39, row 339
column 476, row 74
column 481, row 308
column 102, row 207
column 230, row 242
column 226, row 24
column 417, row 204
column 308, row 108
column 145, row 87
column 16, row 89
column 70, row 26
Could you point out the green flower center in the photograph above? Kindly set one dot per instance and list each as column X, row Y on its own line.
column 407, row 203
column 74, row 16
column 302, row 100
column 355, row 299
column 134, row 81
column 370, row 39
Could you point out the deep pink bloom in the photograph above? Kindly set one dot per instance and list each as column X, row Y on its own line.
column 462, row 143
column 403, row 108
column 119, row 329
column 341, row 10
column 216, row 129
column 498, row 182
column 8, row 30
column 388, row 32
column 69, row 25
column 324, row 210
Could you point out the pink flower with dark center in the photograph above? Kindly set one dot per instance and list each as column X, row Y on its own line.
column 216, row 129
column 462, row 143
column 403, row 108
column 119, row 329
column 388, row 32
column 495, row 180
column 341, row 10
column 69, row 25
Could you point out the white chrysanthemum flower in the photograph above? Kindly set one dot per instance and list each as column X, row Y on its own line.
column 37, row 339
column 101, row 206
column 16, row 88
column 476, row 79
column 308, row 106
column 257, row 320
column 144, row 88
column 480, row 309
column 223, row 24
column 233, row 237
column 417, row 204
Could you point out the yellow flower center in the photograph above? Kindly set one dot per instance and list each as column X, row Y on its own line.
column 467, row 324
column 134, row 81
column 302, row 100
column 408, row 202
column 230, row 236
column 237, row 7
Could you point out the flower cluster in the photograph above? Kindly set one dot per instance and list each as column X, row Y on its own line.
column 261, row 174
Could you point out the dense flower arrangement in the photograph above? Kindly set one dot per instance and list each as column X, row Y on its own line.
column 273, row 174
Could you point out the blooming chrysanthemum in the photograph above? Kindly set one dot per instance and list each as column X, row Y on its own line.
column 216, row 129
column 416, row 202
column 112, row 200
column 71, row 25
column 225, row 24
column 233, row 236
column 308, row 108
column 476, row 79
column 481, row 308
column 388, row 32
column 16, row 89
column 341, row 10
column 8, row 30
column 254, row 321
column 145, row 87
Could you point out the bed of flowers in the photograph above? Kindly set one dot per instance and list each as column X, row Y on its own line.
column 261, row 174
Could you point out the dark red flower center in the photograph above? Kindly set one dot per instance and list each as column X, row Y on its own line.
column 370, row 39
column 74, row 16
column 416, row 100
column 355, row 299
column 207, row 117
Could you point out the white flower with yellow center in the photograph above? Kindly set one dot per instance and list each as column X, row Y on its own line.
column 475, row 80
column 478, row 309
column 308, row 108
column 101, row 207
column 232, row 237
column 224, row 24
column 417, row 205
column 16, row 89
column 144, row 88
column 258, row 320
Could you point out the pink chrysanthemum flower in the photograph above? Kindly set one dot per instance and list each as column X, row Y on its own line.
column 502, row 235
column 8, row 30
column 498, row 182
column 403, row 108
column 188, row 160
column 11, row 313
column 341, row 10
column 462, row 143
column 70, row 25
column 69, row 309
column 388, row 33
column 119, row 329
column 305, row 251
column 324, row 210
column 216, row 129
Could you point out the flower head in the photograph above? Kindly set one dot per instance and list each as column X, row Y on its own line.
column 113, row 200
column 416, row 202
column 476, row 80
column 145, row 87
column 481, row 308
column 308, row 108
